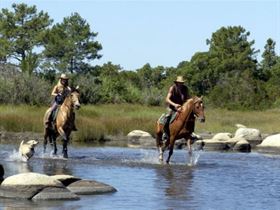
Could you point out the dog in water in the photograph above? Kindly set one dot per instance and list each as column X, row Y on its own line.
column 26, row 149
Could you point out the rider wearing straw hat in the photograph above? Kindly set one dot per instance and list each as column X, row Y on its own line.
column 178, row 93
column 59, row 92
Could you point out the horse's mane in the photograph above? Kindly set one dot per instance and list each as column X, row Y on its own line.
column 193, row 99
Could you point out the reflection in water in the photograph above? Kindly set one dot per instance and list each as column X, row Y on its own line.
column 176, row 181
column 55, row 166
column 24, row 167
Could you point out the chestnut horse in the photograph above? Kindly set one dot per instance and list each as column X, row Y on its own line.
column 64, row 122
column 181, row 127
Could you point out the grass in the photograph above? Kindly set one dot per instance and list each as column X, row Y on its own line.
column 96, row 122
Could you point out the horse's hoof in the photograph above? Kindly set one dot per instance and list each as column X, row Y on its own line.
column 65, row 155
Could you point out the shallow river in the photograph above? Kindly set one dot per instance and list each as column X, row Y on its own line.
column 214, row 180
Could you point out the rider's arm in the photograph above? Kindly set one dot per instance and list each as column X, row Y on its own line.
column 54, row 91
column 168, row 98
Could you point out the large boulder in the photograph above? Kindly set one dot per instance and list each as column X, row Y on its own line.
column 55, row 193
column 34, row 186
column 270, row 144
column 89, row 187
column 224, row 142
column 222, row 136
column 252, row 135
column 217, row 143
column 66, row 179
column 140, row 139
column 31, row 179
column 212, row 145
column 242, row 146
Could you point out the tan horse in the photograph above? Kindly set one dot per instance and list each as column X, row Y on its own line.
column 64, row 122
column 182, row 127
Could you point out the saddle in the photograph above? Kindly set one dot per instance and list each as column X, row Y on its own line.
column 163, row 118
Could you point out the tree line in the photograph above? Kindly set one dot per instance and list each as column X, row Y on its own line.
column 34, row 51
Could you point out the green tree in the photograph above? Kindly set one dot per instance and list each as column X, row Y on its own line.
column 197, row 74
column 70, row 45
column 21, row 35
column 269, row 60
column 273, row 84
column 113, row 87
column 230, row 51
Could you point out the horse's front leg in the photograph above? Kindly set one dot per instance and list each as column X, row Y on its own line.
column 189, row 146
column 54, row 145
column 171, row 147
column 162, row 148
column 65, row 141
column 64, row 150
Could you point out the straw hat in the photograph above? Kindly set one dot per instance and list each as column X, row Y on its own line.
column 63, row 76
column 180, row 79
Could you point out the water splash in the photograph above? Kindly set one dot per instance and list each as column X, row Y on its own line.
column 15, row 156
column 194, row 157
column 48, row 155
column 149, row 156
column 145, row 156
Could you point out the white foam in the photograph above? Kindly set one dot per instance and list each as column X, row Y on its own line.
column 15, row 156
column 149, row 156
column 194, row 157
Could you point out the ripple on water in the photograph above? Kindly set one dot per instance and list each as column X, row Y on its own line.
column 213, row 181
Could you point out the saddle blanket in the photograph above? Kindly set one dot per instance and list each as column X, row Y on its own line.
column 162, row 119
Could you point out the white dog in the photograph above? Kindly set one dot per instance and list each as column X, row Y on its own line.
column 26, row 150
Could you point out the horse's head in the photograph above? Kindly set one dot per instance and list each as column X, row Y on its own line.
column 75, row 96
column 198, row 109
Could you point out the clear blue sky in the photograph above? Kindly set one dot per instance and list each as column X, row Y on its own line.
column 134, row 33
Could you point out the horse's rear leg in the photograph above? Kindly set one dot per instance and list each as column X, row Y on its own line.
column 162, row 148
column 54, row 146
column 46, row 135
column 159, row 140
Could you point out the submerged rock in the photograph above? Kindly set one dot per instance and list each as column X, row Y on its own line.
column 55, row 193
column 89, row 187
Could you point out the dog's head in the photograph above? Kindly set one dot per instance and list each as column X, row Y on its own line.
column 32, row 143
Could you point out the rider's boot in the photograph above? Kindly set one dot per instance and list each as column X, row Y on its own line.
column 48, row 120
column 165, row 135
